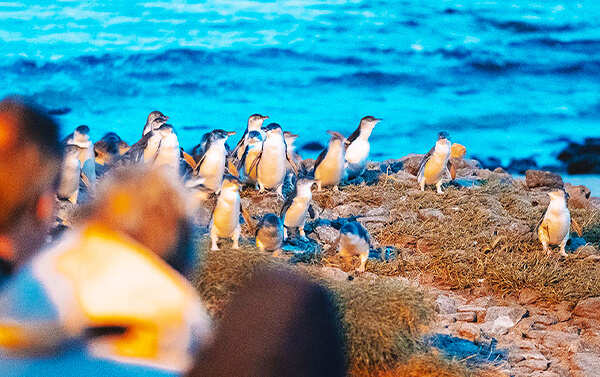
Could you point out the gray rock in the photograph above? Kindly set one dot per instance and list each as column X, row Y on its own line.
column 466, row 316
column 327, row 234
column 510, row 315
column 377, row 211
column 350, row 209
column 411, row 163
column 579, row 196
column 540, row 178
column 466, row 330
column 534, row 364
column 430, row 214
column 588, row 363
column 588, row 308
column 445, row 305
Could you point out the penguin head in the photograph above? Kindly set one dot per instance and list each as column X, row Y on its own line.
column 157, row 115
column 81, row 134
column 289, row 137
column 157, row 122
column 369, row 122
column 270, row 220
column 255, row 121
column 443, row 135
column 230, row 184
column 304, row 185
column 336, row 136
column 72, row 150
column 221, row 134
column 355, row 228
column 560, row 194
column 273, row 129
column 254, row 137
column 166, row 130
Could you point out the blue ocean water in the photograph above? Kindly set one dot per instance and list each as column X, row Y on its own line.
column 509, row 79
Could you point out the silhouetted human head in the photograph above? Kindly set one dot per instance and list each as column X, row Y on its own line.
column 151, row 206
column 30, row 156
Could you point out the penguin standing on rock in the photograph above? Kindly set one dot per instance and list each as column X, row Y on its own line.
column 297, row 206
column 355, row 240
column 212, row 159
column 270, row 164
column 269, row 234
column 225, row 221
column 329, row 167
column 358, row 147
column 555, row 225
column 436, row 164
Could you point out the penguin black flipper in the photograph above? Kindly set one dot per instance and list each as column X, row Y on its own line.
column 354, row 136
column 424, row 162
column 288, row 202
column 255, row 163
column 136, row 152
column 240, row 144
column 311, row 211
column 291, row 161
column 321, row 158
column 451, row 170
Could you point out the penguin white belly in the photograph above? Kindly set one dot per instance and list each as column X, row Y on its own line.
column 212, row 169
column 434, row 169
column 331, row 169
column 559, row 224
column 226, row 216
column 296, row 214
column 271, row 167
column 151, row 148
column 169, row 153
column 352, row 244
column 69, row 181
column 358, row 151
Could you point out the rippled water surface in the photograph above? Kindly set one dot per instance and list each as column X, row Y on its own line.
column 506, row 78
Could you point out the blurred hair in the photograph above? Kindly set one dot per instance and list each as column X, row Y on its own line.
column 146, row 203
column 30, row 155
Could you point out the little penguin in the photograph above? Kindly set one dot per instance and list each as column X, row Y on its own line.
column 297, row 206
column 255, row 122
column 354, row 240
column 269, row 235
column 556, row 223
column 290, row 138
column 329, row 167
column 270, row 164
column 212, row 159
column 254, row 147
column 358, row 147
column 146, row 148
column 436, row 164
column 225, row 221
column 154, row 121
column 168, row 152
column 68, row 188
column 109, row 148
column 81, row 138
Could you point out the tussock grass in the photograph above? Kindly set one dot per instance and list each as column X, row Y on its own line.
column 478, row 243
column 383, row 320
column 430, row 364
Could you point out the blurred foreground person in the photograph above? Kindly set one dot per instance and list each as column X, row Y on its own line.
column 30, row 155
column 102, row 300
column 280, row 324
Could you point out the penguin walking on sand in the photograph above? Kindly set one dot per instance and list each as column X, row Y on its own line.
column 354, row 240
column 436, row 164
column 270, row 164
column 269, row 234
column 253, row 149
column 154, row 121
column 357, row 151
column 554, row 227
column 225, row 221
column 255, row 123
column 212, row 159
column 68, row 189
column 329, row 167
column 297, row 206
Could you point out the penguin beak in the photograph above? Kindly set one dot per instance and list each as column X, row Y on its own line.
column 231, row 133
column 265, row 117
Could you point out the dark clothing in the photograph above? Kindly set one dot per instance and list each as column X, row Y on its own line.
column 280, row 324
column 5, row 271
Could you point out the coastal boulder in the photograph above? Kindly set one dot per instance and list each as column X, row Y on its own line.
column 412, row 162
column 540, row 178
column 579, row 196
column 582, row 158
column 499, row 319
column 588, row 308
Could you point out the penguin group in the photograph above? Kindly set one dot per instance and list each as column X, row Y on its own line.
column 265, row 158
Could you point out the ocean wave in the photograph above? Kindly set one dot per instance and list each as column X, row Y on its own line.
column 523, row 27
column 371, row 79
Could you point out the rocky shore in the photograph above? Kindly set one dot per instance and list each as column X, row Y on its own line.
column 501, row 306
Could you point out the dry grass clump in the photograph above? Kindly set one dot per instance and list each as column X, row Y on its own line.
column 383, row 320
column 487, row 236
